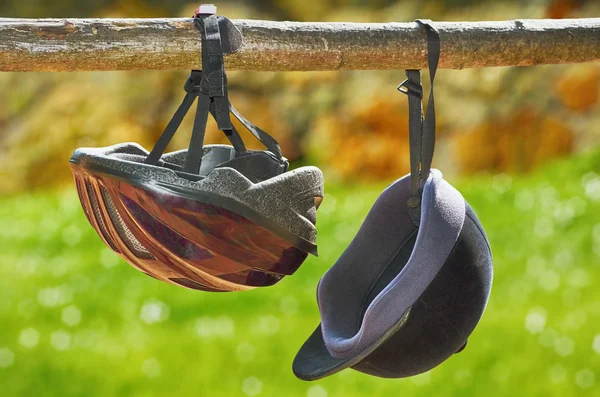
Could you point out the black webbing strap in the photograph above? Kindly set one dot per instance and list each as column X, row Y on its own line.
column 421, row 130
column 212, row 92
column 233, row 135
column 161, row 145
column 433, row 57
column 210, row 86
column 215, row 82
column 214, row 89
column 258, row 133
column 415, row 127
column 194, row 153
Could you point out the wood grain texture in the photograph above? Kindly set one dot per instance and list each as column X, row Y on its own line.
column 160, row 44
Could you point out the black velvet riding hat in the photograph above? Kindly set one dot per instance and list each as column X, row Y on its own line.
column 414, row 282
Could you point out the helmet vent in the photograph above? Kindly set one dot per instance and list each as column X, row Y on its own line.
column 128, row 238
column 81, row 197
column 98, row 216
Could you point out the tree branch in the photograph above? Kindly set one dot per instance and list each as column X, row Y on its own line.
column 135, row 44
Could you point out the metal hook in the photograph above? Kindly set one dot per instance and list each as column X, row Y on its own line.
column 406, row 87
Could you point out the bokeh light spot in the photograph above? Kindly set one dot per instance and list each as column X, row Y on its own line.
column 544, row 227
column 221, row 327
column 596, row 344
column 151, row 368
column 524, row 200
column 29, row 338
column 575, row 319
column 422, row 379
column 579, row 278
column 557, row 374
column 316, row 391
column 71, row 315
column 502, row 183
column 328, row 205
column 245, row 352
column 252, row 386
column 596, row 232
column 535, row 322
column 60, row 340
column 7, row 357
column 564, row 346
column 536, row 266
column 55, row 296
column 289, row 305
column 463, row 377
column 585, row 378
column 591, row 184
column 154, row 311
column 549, row 280
column 548, row 337
column 268, row 325
column 563, row 259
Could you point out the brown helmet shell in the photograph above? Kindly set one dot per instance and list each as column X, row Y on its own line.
column 182, row 241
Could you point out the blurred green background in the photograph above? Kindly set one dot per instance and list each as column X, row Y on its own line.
column 522, row 145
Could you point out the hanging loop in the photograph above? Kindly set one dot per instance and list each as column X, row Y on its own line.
column 421, row 128
column 209, row 86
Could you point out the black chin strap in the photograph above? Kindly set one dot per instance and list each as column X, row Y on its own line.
column 210, row 87
column 421, row 130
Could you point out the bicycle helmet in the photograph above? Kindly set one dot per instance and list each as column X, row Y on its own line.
column 212, row 217
column 415, row 280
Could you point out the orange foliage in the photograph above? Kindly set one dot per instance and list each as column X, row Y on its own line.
column 366, row 143
column 516, row 143
column 558, row 9
column 580, row 89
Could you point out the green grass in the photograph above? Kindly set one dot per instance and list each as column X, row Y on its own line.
column 77, row 320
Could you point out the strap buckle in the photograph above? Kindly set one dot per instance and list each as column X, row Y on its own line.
column 408, row 88
column 193, row 84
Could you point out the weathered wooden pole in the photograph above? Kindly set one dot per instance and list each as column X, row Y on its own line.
column 134, row 44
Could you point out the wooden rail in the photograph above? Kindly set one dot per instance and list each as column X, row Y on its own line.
column 135, row 44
